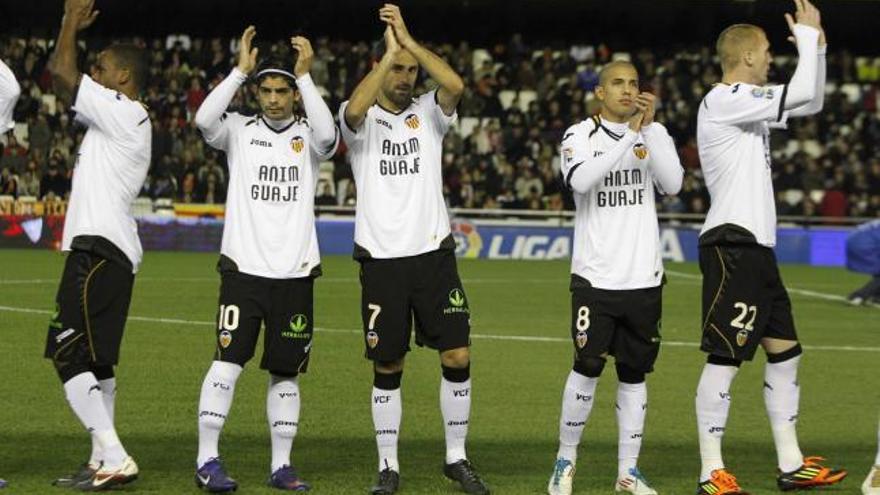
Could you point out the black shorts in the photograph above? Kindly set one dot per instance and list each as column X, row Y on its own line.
column 91, row 307
column 744, row 300
column 622, row 323
column 425, row 288
column 286, row 308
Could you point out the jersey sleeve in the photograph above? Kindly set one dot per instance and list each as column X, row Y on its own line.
column 9, row 92
column 442, row 122
column 744, row 103
column 351, row 136
column 212, row 119
column 109, row 111
column 573, row 150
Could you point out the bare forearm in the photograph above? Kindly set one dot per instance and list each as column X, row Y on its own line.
column 365, row 94
column 62, row 64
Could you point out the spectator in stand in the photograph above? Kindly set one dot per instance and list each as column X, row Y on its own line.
column 8, row 183
column 54, row 185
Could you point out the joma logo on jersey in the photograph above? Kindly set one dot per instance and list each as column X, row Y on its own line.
column 568, row 153
column 297, row 144
column 640, row 151
column 457, row 302
column 384, row 123
column 412, row 121
column 259, row 142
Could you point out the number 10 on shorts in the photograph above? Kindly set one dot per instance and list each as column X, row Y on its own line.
column 228, row 319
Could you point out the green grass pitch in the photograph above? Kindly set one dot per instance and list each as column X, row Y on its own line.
column 517, row 385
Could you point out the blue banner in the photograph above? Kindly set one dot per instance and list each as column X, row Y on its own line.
column 816, row 246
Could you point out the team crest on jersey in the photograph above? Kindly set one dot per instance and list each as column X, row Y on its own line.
column 225, row 338
column 372, row 339
column 640, row 151
column 297, row 144
column 568, row 153
column 742, row 337
column 412, row 121
column 581, row 339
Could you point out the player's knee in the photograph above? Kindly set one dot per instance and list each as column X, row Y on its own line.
column 778, row 346
column 278, row 376
column 387, row 381
column 723, row 361
column 223, row 375
column 388, row 367
column 780, row 357
column 628, row 374
column 456, row 358
column 590, row 366
column 68, row 370
column 456, row 375
column 103, row 372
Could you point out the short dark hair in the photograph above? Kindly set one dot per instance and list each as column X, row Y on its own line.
column 134, row 58
column 275, row 66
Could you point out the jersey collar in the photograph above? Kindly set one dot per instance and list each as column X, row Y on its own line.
column 278, row 130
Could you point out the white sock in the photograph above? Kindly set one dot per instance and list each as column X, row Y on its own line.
column 85, row 398
column 877, row 459
column 632, row 405
column 577, row 402
column 215, row 400
column 387, row 410
column 108, row 394
column 282, row 409
column 782, row 396
column 713, row 404
column 455, row 404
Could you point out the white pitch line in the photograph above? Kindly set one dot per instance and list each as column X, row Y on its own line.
column 508, row 338
column 793, row 290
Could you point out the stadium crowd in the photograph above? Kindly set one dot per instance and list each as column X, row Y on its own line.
column 503, row 154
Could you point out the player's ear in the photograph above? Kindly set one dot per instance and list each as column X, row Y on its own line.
column 748, row 58
column 600, row 92
column 124, row 77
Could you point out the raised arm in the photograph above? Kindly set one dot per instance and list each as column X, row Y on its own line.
column 320, row 118
column 583, row 170
column 209, row 116
column 807, row 30
column 366, row 92
column 451, row 84
column 663, row 161
column 9, row 93
column 815, row 105
column 78, row 15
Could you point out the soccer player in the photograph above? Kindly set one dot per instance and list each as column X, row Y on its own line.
column 9, row 92
column 613, row 162
column 863, row 256
column 101, row 238
column 871, row 486
column 404, row 245
column 745, row 303
column 269, row 254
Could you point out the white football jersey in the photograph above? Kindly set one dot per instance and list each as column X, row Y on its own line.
column 396, row 160
column 111, row 166
column 9, row 91
column 616, row 235
column 269, row 227
column 733, row 138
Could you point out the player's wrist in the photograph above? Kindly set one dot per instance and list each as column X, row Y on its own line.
column 804, row 30
column 239, row 74
column 304, row 80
